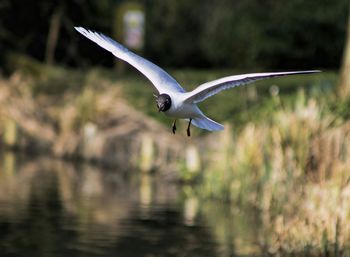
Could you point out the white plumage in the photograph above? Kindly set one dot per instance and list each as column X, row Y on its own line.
column 183, row 104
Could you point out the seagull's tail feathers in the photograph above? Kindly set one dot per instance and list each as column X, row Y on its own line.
column 206, row 123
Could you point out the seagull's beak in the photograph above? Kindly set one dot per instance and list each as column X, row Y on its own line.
column 160, row 108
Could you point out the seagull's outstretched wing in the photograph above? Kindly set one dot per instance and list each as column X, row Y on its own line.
column 211, row 88
column 162, row 81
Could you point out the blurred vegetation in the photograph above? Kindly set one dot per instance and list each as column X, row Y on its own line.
column 239, row 34
column 294, row 167
column 285, row 147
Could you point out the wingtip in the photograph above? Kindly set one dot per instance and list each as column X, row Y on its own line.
column 309, row 71
column 305, row 72
column 81, row 30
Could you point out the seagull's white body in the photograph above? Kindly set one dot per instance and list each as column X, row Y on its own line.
column 180, row 109
column 183, row 104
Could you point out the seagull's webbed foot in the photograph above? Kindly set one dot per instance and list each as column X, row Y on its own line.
column 174, row 126
column 188, row 128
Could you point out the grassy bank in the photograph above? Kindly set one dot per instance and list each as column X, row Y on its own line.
column 294, row 167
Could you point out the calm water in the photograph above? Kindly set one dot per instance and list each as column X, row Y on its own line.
column 52, row 208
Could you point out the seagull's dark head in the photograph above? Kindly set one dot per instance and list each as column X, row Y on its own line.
column 163, row 102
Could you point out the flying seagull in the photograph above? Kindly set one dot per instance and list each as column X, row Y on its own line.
column 172, row 99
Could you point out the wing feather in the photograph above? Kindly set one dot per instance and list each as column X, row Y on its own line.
column 161, row 80
column 211, row 88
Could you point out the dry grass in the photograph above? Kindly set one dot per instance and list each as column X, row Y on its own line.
column 295, row 169
column 94, row 123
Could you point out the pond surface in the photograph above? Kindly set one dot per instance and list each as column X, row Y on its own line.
column 52, row 208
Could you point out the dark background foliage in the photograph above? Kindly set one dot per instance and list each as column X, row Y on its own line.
column 186, row 33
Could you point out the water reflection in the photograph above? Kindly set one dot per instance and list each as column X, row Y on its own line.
column 52, row 208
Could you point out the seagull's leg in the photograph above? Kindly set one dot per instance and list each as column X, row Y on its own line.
column 174, row 126
column 188, row 128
